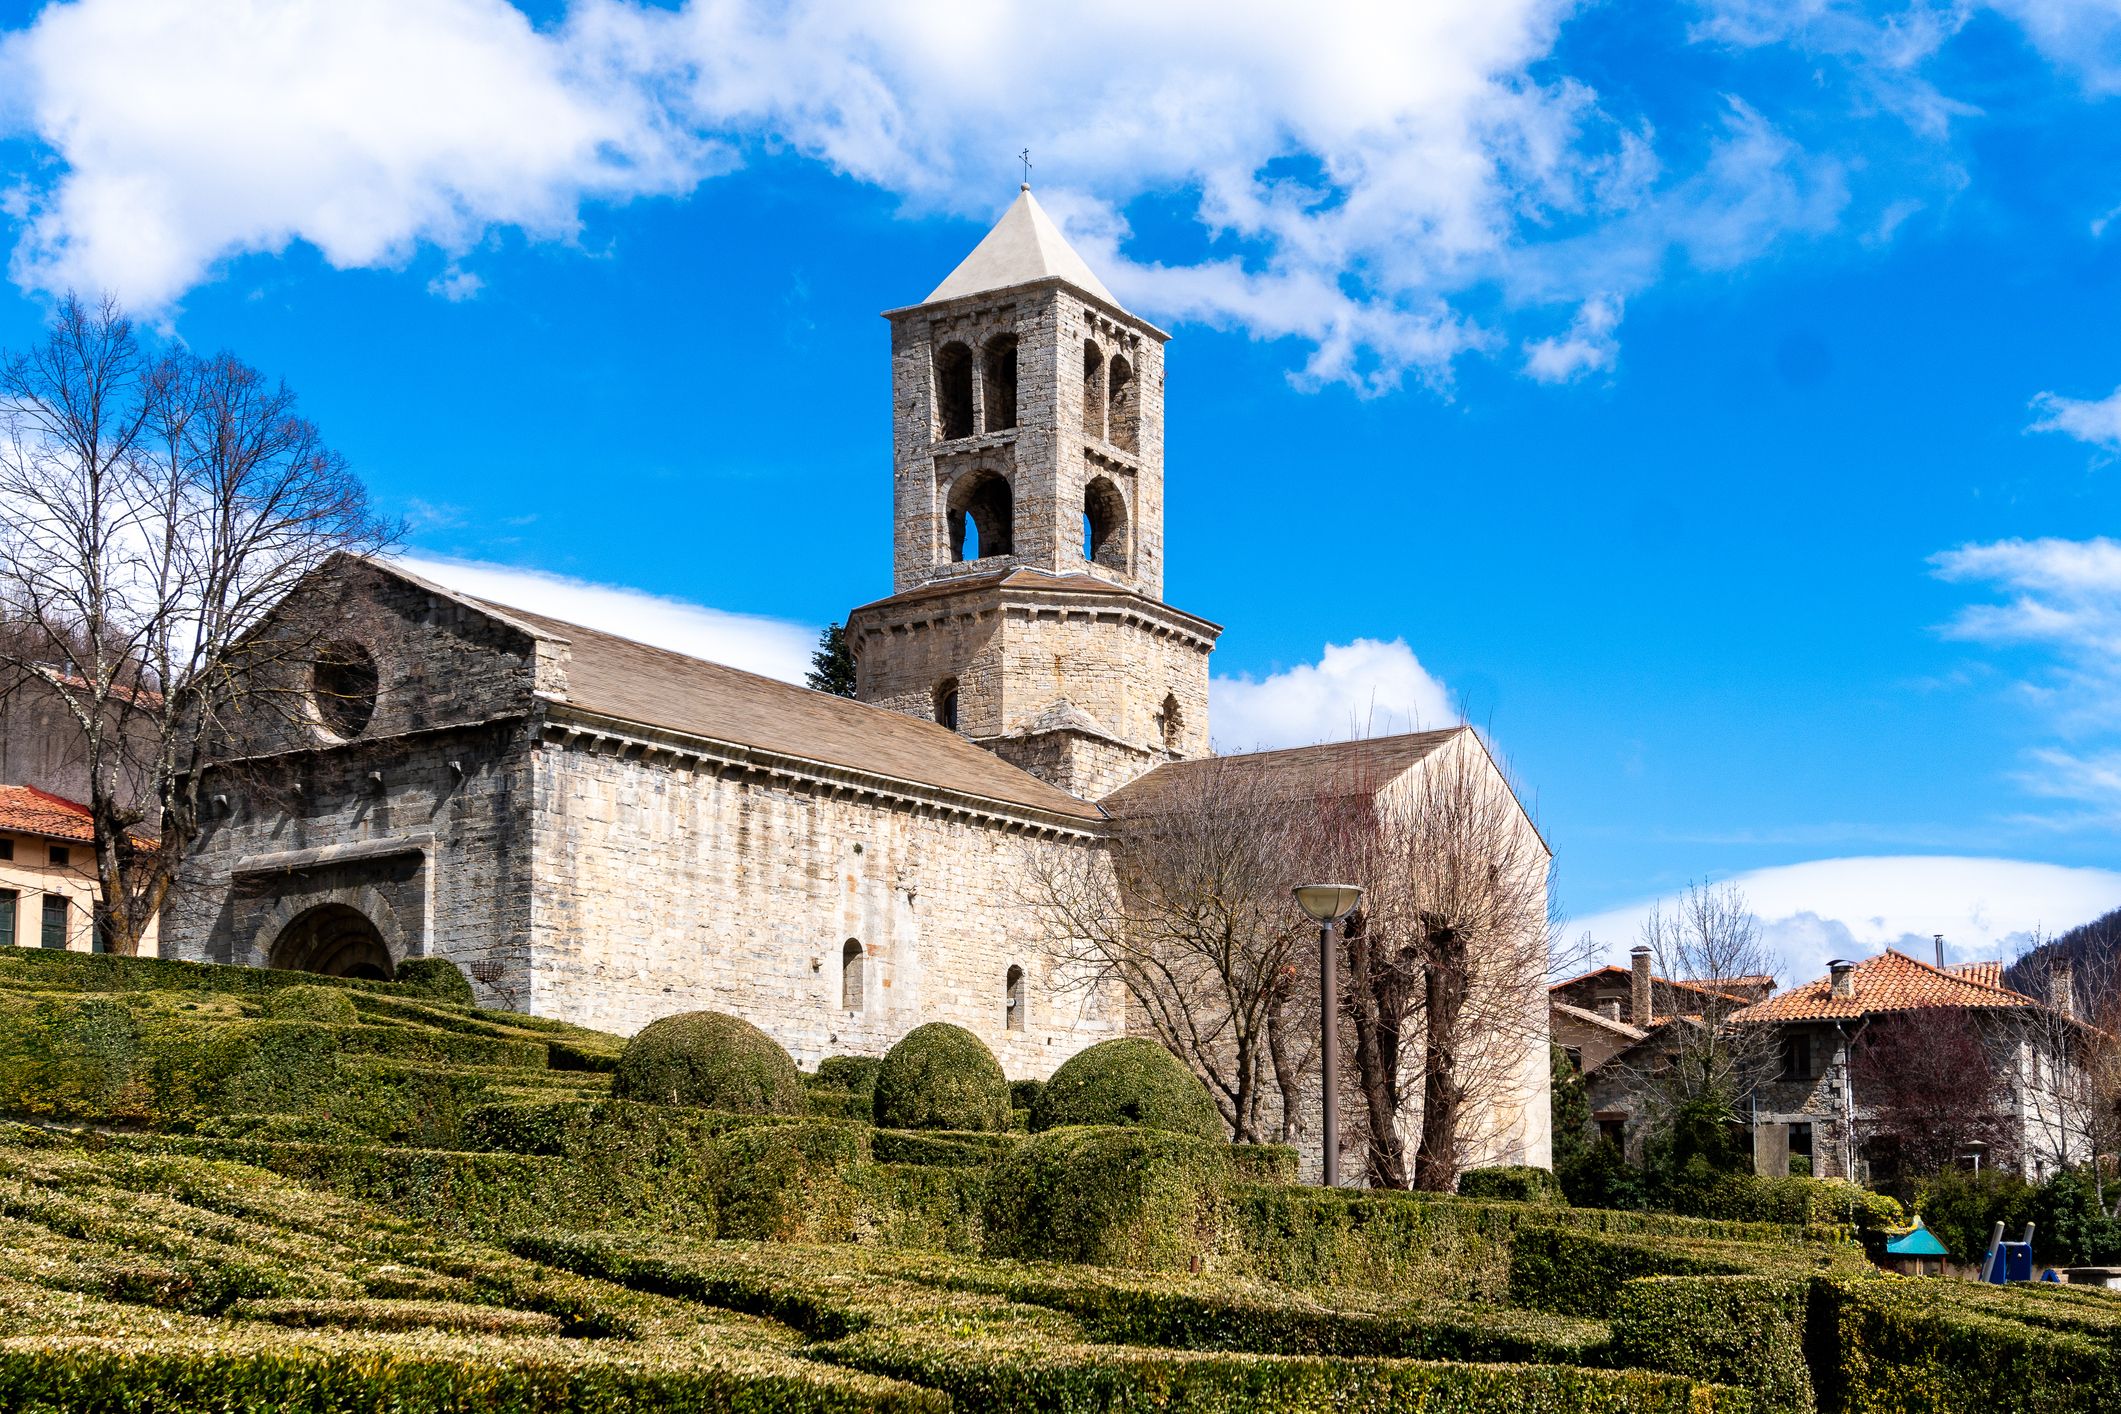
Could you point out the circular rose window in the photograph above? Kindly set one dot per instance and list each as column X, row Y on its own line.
column 343, row 687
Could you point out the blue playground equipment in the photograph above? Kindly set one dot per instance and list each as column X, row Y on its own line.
column 2008, row 1261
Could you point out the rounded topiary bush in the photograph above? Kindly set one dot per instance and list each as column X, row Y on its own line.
column 1114, row 1197
column 1514, row 1183
column 707, row 1059
column 311, row 1003
column 435, row 978
column 941, row 1076
column 1130, row 1081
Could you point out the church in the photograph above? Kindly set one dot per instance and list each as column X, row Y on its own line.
column 606, row 832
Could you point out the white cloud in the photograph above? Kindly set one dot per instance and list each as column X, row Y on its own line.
column 2093, row 420
column 2063, row 604
column 456, row 285
column 775, row 648
column 1359, row 169
column 1363, row 688
column 196, row 130
column 1588, row 347
column 1828, row 908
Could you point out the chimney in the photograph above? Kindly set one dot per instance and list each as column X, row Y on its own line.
column 2062, row 988
column 1843, row 973
column 1639, row 986
column 1609, row 1008
column 1940, row 950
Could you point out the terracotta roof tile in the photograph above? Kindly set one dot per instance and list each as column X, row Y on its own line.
column 1592, row 1018
column 1891, row 981
column 25, row 810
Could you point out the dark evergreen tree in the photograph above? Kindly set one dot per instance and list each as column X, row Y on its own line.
column 832, row 666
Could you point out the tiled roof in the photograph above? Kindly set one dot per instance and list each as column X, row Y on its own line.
column 1333, row 770
column 617, row 677
column 1891, row 981
column 1592, row 1018
column 25, row 810
column 1988, row 974
column 1625, row 975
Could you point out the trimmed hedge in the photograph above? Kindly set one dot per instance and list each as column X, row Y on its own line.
column 435, row 978
column 854, row 1074
column 710, row 1060
column 1513, row 1184
column 969, row 1149
column 1737, row 1330
column 1129, row 1081
column 1264, row 1163
column 1116, row 1197
column 1939, row 1347
column 324, row 1004
column 940, row 1076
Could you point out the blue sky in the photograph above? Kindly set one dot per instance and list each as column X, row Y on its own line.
column 1716, row 402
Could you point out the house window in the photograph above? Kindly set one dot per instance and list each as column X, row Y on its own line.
column 1797, row 1059
column 851, row 960
column 7, row 918
column 61, row 856
column 946, row 703
column 1613, row 1128
column 55, row 912
column 7, row 849
column 1801, row 1150
column 1575, row 1055
column 1014, row 990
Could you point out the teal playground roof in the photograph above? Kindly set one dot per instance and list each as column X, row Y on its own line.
column 1917, row 1241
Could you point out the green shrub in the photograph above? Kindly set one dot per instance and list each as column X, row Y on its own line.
column 1117, row 1197
column 941, row 1076
column 1582, row 1274
column 1129, row 1081
column 897, row 1146
column 1939, row 1347
column 710, row 1060
column 854, row 1074
column 1511, row 1183
column 821, row 1103
column 1264, row 1163
column 1745, row 1197
column 1023, row 1094
column 326, row 1004
column 435, row 978
column 1747, row 1331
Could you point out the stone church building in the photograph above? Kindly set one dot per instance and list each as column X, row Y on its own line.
column 607, row 832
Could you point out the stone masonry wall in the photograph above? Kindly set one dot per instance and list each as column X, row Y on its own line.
column 661, row 889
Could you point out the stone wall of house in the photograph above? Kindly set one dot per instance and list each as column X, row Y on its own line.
column 673, row 884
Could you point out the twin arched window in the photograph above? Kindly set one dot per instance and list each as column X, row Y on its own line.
column 954, row 372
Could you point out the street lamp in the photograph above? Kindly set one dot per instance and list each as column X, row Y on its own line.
column 1329, row 903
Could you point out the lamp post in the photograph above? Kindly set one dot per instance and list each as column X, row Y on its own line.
column 1329, row 903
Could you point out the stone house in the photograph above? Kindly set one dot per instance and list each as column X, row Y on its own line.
column 48, row 884
column 607, row 832
column 1805, row 1104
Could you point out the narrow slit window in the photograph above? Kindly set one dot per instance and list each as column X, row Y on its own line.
column 851, row 968
column 1013, row 989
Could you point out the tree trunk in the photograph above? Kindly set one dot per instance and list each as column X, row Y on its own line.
column 1436, row 1161
column 1376, row 1057
column 1286, row 1077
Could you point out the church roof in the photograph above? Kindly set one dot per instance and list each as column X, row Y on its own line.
column 633, row 682
column 1024, row 246
column 1334, row 769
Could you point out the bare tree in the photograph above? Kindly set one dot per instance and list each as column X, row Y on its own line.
column 1932, row 1088
column 2073, row 1100
column 155, row 510
column 1449, row 954
column 1191, row 914
column 1709, row 938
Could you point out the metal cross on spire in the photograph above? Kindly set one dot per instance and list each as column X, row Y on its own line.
column 1025, row 158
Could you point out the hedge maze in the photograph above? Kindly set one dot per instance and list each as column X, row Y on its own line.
column 224, row 1189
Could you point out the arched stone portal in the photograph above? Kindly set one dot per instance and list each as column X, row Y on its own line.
column 334, row 940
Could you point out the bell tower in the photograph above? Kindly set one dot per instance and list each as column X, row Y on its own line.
column 1028, row 511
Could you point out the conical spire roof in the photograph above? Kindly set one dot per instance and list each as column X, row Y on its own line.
column 1024, row 246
